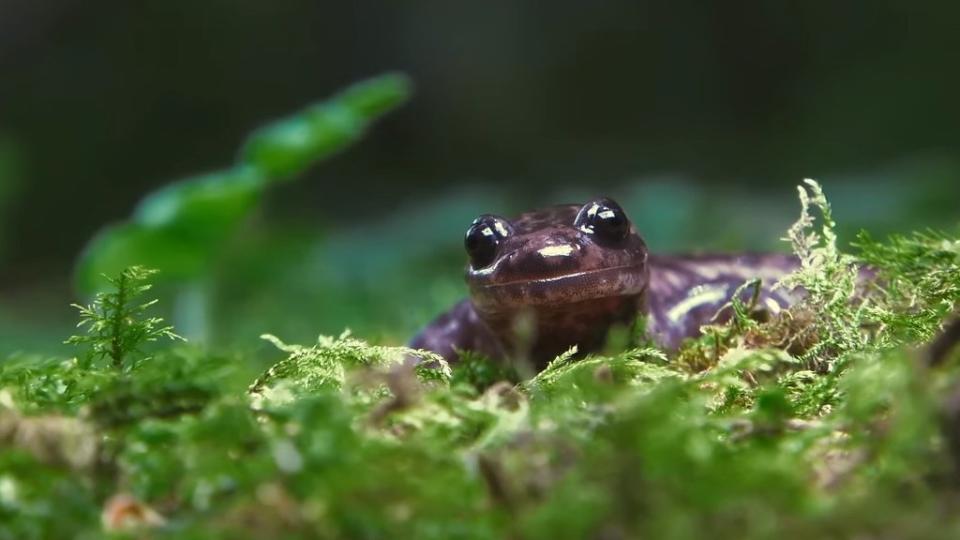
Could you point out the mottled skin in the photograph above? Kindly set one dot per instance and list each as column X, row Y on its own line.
column 552, row 283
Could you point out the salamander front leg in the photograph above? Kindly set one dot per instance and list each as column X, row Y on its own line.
column 459, row 329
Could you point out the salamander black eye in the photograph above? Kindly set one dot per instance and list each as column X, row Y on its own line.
column 603, row 218
column 483, row 237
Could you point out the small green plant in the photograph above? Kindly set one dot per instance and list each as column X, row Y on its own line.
column 116, row 321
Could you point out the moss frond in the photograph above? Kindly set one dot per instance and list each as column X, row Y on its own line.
column 116, row 323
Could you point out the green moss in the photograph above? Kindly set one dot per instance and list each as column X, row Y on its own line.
column 741, row 435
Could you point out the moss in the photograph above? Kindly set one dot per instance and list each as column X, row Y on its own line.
column 797, row 426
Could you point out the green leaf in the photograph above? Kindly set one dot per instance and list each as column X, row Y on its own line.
column 173, row 229
column 289, row 146
column 177, row 228
column 116, row 246
column 205, row 206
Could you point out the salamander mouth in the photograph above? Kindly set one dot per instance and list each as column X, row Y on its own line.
column 624, row 280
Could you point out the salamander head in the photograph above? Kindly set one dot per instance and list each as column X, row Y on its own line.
column 578, row 269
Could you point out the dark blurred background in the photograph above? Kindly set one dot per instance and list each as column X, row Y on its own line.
column 701, row 117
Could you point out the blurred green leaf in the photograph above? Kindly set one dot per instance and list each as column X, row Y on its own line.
column 287, row 147
column 112, row 249
column 177, row 228
column 202, row 206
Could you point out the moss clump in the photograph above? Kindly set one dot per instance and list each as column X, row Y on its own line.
column 744, row 434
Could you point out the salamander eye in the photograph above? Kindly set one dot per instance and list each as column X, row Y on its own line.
column 603, row 218
column 483, row 237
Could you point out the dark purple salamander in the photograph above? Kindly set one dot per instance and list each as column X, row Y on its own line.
column 570, row 273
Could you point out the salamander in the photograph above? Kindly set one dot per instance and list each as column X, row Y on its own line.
column 566, row 275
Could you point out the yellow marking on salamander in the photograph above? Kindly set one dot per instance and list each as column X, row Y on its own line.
column 704, row 294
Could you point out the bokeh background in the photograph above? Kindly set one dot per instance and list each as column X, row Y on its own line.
column 700, row 118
